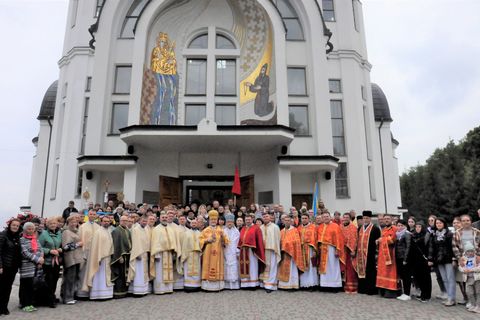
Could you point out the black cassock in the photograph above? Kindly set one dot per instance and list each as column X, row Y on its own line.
column 262, row 107
column 368, row 284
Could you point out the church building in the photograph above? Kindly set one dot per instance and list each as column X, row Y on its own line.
column 159, row 101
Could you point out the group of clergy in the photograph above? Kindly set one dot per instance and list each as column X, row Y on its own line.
column 159, row 259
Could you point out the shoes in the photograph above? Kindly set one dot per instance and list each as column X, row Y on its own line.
column 404, row 297
column 449, row 303
column 422, row 300
column 442, row 296
column 471, row 309
column 5, row 312
column 71, row 302
column 29, row 309
column 462, row 302
column 469, row 305
column 268, row 291
column 476, row 310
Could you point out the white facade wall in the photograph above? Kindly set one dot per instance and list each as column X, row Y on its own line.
column 348, row 62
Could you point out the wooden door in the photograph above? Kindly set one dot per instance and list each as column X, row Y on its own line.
column 247, row 184
column 170, row 190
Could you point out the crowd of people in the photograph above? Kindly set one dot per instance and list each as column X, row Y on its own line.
column 126, row 249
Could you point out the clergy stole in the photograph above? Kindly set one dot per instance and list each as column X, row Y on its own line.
column 191, row 251
column 250, row 238
column 165, row 242
column 86, row 232
column 271, row 241
column 308, row 238
column 362, row 252
column 212, row 258
column 140, row 248
column 350, row 235
column 387, row 269
column 101, row 248
column 291, row 249
column 329, row 235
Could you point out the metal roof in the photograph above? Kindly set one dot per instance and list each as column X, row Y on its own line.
column 380, row 104
column 47, row 109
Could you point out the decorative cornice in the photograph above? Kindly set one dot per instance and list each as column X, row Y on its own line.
column 308, row 158
column 107, row 157
column 350, row 54
column 75, row 51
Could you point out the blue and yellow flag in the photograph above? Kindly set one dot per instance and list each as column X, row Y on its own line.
column 315, row 200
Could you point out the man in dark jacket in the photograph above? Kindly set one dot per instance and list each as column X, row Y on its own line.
column 68, row 210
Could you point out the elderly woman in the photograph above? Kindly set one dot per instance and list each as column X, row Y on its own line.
column 72, row 257
column 9, row 261
column 51, row 242
column 32, row 256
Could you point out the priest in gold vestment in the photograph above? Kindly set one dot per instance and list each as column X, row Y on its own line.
column 164, row 249
column 212, row 242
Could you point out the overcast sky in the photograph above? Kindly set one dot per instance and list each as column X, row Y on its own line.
column 424, row 55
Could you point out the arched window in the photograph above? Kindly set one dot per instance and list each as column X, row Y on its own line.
column 199, row 42
column 290, row 18
column 222, row 73
column 130, row 21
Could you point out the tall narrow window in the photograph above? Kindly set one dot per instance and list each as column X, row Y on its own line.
column 297, row 81
column 130, row 21
column 366, row 125
column 196, row 77
column 364, row 93
column 355, row 14
column 194, row 113
column 335, row 86
column 88, row 85
column 225, row 84
column 119, row 117
column 98, row 8
column 225, row 114
column 291, row 20
column 123, row 76
column 338, row 133
column 78, row 190
column 53, row 190
column 84, row 126
column 298, row 119
column 65, row 90
column 371, row 183
column 74, row 13
column 328, row 10
column 341, row 180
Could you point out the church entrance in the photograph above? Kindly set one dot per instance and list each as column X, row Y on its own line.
column 204, row 189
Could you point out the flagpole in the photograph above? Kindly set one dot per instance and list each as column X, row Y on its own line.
column 234, row 200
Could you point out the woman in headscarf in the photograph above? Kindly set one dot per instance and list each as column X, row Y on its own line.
column 419, row 261
column 9, row 261
column 32, row 256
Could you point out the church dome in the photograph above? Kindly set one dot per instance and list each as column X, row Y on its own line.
column 380, row 104
column 47, row 109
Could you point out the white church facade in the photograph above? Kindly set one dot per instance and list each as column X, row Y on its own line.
column 159, row 101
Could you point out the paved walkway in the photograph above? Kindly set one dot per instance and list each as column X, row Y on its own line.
column 248, row 305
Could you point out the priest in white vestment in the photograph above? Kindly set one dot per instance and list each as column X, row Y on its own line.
column 163, row 250
column 191, row 258
column 232, row 280
column 98, row 273
column 86, row 232
column 138, row 275
column 271, row 240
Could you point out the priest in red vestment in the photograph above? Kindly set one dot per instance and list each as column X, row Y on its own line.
column 387, row 280
column 308, row 238
column 252, row 254
column 350, row 236
column 292, row 260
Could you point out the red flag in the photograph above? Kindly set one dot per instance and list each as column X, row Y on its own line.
column 236, row 189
